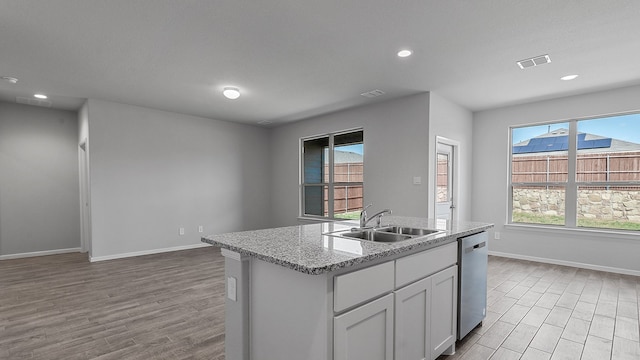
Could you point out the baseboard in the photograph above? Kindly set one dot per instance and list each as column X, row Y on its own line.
column 146, row 252
column 39, row 253
column 567, row 263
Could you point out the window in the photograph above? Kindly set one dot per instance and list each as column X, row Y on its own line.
column 332, row 175
column 580, row 173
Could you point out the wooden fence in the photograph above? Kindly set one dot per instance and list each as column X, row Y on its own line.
column 621, row 166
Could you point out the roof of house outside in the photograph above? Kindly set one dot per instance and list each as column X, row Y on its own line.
column 557, row 142
column 343, row 157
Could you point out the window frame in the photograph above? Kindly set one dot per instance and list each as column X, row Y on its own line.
column 572, row 185
column 331, row 184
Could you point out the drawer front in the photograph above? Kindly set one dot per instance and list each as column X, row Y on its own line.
column 359, row 286
column 420, row 265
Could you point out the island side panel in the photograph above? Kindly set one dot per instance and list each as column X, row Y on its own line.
column 291, row 313
column 236, row 273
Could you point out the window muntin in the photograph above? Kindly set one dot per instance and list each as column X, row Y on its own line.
column 598, row 174
column 332, row 178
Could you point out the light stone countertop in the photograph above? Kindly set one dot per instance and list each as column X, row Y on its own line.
column 308, row 248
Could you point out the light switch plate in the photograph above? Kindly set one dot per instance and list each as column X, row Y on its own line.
column 417, row 180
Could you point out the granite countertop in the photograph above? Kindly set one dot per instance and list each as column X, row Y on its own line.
column 308, row 248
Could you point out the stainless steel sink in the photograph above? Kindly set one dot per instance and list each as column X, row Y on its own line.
column 408, row 230
column 389, row 233
column 376, row 235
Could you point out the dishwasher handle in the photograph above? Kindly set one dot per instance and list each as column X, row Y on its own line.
column 476, row 246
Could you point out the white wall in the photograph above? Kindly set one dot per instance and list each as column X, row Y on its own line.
column 396, row 138
column 449, row 120
column 154, row 171
column 490, row 161
column 39, row 209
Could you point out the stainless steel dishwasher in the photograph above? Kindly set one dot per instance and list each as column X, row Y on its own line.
column 472, row 285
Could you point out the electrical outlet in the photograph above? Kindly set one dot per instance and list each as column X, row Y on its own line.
column 181, row 231
column 200, row 229
column 496, row 235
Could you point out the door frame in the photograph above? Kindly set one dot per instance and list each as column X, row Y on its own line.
column 455, row 171
column 85, row 202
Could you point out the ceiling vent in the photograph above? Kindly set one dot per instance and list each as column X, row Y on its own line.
column 373, row 93
column 534, row 61
column 34, row 102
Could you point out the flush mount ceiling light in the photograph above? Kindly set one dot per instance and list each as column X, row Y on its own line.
column 404, row 53
column 568, row 77
column 231, row 93
column 373, row 93
column 534, row 61
column 40, row 96
column 9, row 79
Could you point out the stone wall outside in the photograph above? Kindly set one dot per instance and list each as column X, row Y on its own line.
column 592, row 203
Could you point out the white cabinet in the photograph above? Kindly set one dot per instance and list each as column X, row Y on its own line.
column 444, row 299
column 426, row 317
column 366, row 332
column 413, row 321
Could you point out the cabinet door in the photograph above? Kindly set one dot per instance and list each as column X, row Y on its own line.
column 413, row 321
column 366, row 332
column 444, row 299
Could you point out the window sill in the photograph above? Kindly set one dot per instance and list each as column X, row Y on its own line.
column 315, row 219
column 619, row 234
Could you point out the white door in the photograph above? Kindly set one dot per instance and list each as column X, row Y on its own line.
column 444, row 196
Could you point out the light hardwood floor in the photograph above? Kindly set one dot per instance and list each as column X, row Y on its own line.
column 171, row 306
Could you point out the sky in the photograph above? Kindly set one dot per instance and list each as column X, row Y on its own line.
column 622, row 127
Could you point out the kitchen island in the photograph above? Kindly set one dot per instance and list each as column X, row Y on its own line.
column 301, row 292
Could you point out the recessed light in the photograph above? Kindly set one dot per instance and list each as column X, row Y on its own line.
column 231, row 93
column 404, row 53
column 568, row 77
column 9, row 79
column 40, row 96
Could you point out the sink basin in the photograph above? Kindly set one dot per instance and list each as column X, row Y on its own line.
column 376, row 235
column 407, row 230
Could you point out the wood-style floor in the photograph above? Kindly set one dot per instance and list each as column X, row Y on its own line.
column 171, row 306
column 165, row 306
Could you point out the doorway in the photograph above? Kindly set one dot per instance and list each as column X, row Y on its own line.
column 445, row 189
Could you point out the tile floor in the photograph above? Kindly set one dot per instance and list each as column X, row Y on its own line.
column 539, row 311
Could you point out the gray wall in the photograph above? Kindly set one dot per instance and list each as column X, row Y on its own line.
column 395, row 150
column 399, row 144
column 154, row 171
column 601, row 250
column 39, row 203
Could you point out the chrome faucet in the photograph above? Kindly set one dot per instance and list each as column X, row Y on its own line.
column 364, row 219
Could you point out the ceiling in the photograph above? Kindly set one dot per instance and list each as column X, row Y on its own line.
column 294, row 59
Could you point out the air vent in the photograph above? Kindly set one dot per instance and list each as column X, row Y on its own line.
column 265, row 122
column 34, row 102
column 534, row 61
column 373, row 93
